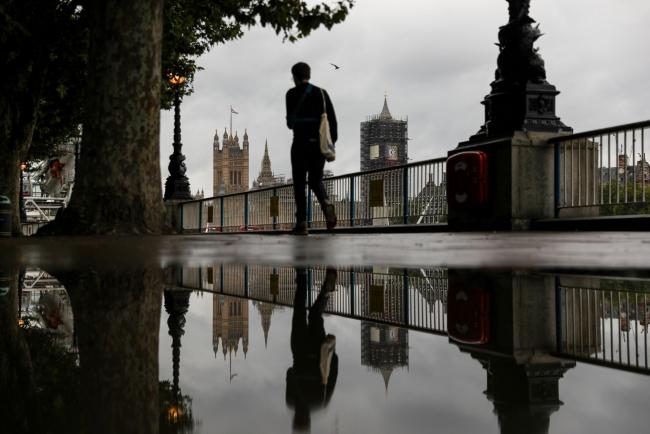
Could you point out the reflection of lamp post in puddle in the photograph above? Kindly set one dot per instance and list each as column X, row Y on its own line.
column 176, row 304
column 502, row 320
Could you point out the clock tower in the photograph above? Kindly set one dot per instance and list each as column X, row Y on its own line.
column 384, row 141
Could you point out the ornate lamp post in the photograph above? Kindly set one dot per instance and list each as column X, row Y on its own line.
column 177, row 186
column 520, row 99
column 21, row 200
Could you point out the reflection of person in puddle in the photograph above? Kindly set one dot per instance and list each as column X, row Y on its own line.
column 311, row 379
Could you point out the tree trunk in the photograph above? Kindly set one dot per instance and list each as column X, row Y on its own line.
column 18, row 108
column 117, row 187
column 9, row 186
column 117, row 319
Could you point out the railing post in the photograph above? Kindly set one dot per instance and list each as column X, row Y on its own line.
column 246, row 290
column 275, row 218
column 405, row 195
column 309, row 283
column 406, row 297
column 352, row 200
column 200, row 214
column 222, row 212
column 352, row 295
column 558, row 316
column 221, row 276
column 245, row 211
column 556, row 204
column 309, row 208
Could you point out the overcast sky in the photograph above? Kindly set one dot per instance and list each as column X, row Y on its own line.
column 434, row 58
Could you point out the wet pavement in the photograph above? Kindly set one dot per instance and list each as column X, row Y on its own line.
column 449, row 333
column 532, row 250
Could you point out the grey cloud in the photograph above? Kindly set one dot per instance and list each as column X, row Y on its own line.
column 435, row 58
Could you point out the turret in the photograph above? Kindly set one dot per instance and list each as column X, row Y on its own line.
column 215, row 141
column 245, row 143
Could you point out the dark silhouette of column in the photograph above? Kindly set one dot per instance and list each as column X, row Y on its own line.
column 520, row 99
column 506, row 321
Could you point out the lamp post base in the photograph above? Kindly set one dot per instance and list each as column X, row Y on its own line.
column 177, row 189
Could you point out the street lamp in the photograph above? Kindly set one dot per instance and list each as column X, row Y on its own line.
column 21, row 200
column 177, row 186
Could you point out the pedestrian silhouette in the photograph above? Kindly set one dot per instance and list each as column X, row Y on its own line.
column 305, row 104
column 311, row 379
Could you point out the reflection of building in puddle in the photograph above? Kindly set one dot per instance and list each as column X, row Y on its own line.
column 266, row 311
column 44, row 303
column 382, row 295
column 229, row 325
column 384, row 348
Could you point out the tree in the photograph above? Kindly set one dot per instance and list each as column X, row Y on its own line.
column 43, row 46
column 117, row 190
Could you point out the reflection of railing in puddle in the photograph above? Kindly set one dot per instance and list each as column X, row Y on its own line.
column 410, row 298
column 604, row 321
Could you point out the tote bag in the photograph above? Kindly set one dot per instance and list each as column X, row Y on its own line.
column 326, row 144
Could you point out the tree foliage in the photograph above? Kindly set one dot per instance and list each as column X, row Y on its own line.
column 192, row 27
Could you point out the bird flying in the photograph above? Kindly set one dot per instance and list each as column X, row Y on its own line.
column 335, row 66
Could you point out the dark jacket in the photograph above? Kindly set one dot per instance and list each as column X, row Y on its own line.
column 305, row 121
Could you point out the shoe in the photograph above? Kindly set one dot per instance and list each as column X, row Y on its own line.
column 300, row 229
column 330, row 216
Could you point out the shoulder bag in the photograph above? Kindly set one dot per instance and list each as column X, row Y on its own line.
column 326, row 144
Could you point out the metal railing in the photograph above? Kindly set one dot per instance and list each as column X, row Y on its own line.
column 606, row 325
column 416, row 299
column 414, row 193
column 603, row 172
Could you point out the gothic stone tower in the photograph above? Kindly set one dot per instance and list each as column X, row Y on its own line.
column 230, row 164
column 229, row 324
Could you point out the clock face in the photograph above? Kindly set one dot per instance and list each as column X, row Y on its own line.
column 392, row 152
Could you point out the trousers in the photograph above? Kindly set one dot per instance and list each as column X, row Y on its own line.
column 307, row 164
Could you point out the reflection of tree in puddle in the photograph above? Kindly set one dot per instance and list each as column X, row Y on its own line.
column 111, row 384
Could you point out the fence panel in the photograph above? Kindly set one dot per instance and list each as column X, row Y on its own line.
column 604, row 172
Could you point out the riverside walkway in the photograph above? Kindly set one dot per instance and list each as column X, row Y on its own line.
column 530, row 250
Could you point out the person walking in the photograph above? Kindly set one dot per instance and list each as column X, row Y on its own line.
column 305, row 103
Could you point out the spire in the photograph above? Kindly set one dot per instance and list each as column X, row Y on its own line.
column 245, row 143
column 215, row 141
column 265, row 177
column 385, row 113
column 385, row 373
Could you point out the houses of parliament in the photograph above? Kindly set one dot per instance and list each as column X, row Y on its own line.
column 230, row 165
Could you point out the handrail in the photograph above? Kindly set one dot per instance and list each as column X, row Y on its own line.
column 601, row 131
column 347, row 175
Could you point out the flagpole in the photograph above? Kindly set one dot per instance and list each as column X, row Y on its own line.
column 230, row 121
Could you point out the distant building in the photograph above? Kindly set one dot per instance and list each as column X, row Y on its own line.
column 384, row 141
column 384, row 348
column 199, row 195
column 266, row 178
column 230, row 164
column 229, row 324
